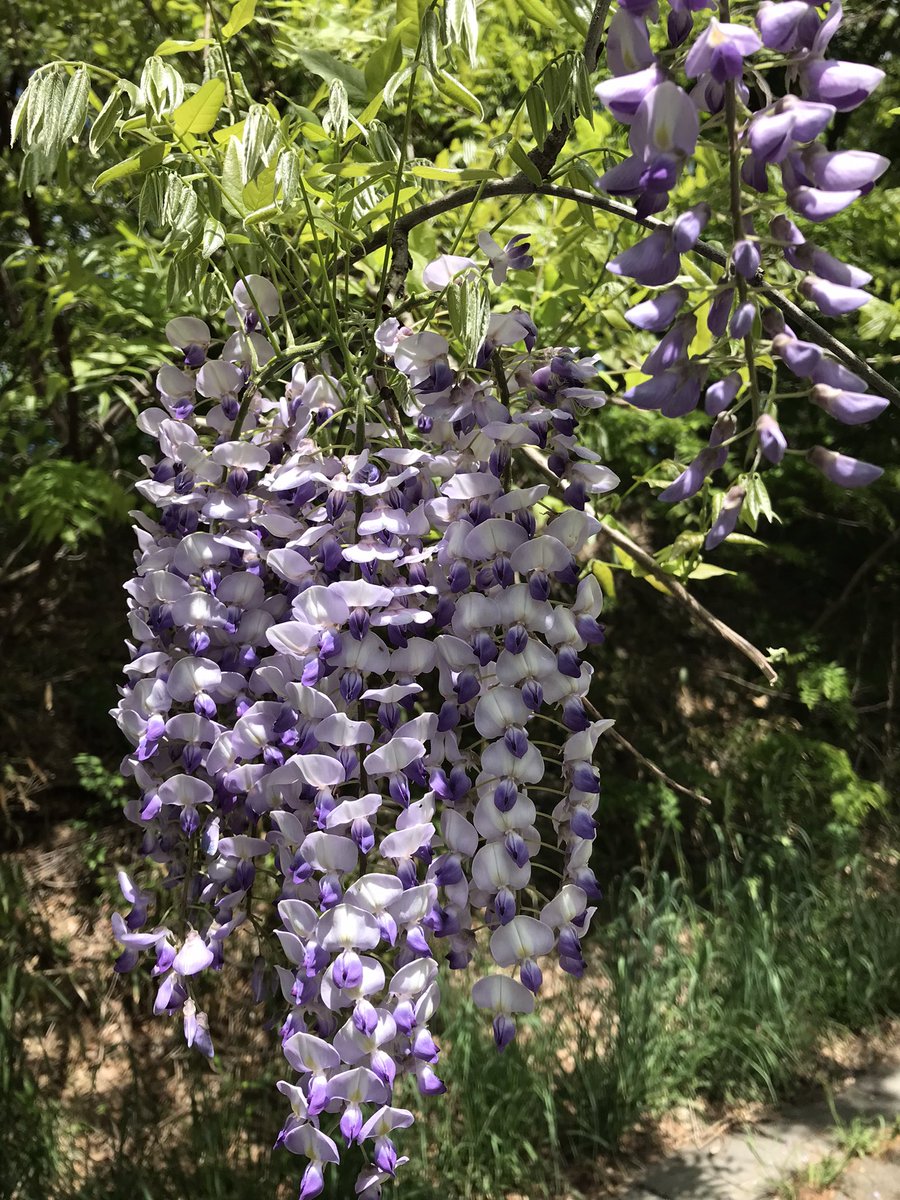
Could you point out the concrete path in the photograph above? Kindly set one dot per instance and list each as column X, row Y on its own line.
column 749, row 1164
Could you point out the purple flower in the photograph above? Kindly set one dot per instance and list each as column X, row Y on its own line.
column 850, row 408
column 662, row 137
column 658, row 312
column 721, row 50
column 844, row 85
column 652, row 262
column 846, row 472
column 726, row 522
column 690, row 481
column 780, row 24
column 746, row 257
column 628, row 44
column 833, row 299
column 624, row 94
column 514, row 256
column 772, row 442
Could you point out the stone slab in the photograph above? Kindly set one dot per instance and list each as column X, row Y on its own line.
column 878, row 1088
column 871, row 1179
column 749, row 1165
column 728, row 1170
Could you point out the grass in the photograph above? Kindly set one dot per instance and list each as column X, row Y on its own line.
column 718, row 985
column 859, row 1139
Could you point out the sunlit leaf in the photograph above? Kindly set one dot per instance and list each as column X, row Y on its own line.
column 198, row 115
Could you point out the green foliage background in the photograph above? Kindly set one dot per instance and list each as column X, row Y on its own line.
column 801, row 777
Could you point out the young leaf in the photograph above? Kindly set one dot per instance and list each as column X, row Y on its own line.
column 393, row 84
column 105, row 121
column 52, row 120
column 430, row 40
column 20, row 112
column 329, row 68
column 198, row 115
column 241, row 15
column 213, row 237
column 536, row 107
column 338, row 108
column 75, row 104
column 469, row 306
column 461, row 27
column 450, row 87
column 524, row 163
column 287, row 177
column 149, row 157
column 172, row 46
column 537, row 11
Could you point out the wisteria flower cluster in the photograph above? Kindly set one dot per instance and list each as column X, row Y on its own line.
column 339, row 657
column 766, row 138
column 358, row 688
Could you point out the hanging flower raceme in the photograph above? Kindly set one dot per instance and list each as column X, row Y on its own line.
column 765, row 137
column 343, row 668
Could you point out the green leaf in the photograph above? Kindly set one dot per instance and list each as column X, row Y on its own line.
column 213, row 237
column 198, row 115
column 708, row 571
column 232, row 177
column 584, row 95
column 407, row 16
column 105, row 121
column 537, row 11
column 469, row 306
column 383, row 62
column 536, row 107
column 757, row 502
column 524, row 163
column 75, row 103
column 149, row 157
column 260, row 191
column 172, row 46
column 241, row 15
column 449, row 86
column 877, row 320
column 329, row 68
column 386, row 204
column 355, row 170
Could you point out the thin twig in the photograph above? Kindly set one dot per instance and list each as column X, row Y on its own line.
column 675, row 589
column 653, row 768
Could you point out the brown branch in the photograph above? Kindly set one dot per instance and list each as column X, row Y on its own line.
column 677, row 590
